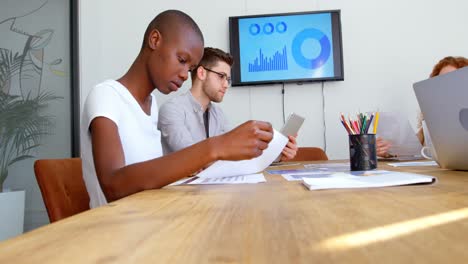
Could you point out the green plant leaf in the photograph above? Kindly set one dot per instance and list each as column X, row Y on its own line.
column 22, row 125
column 23, row 157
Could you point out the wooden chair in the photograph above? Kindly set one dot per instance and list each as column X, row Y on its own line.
column 310, row 154
column 62, row 187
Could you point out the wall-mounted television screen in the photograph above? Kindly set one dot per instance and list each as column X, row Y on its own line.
column 288, row 47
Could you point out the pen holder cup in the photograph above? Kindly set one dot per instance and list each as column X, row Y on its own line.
column 362, row 152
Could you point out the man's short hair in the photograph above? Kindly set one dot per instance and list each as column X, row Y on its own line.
column 211, row 56
column 168, row 21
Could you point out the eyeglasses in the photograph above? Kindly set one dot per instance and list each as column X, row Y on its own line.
column 221, row 75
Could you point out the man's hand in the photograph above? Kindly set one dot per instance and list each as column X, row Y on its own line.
column 244, row 142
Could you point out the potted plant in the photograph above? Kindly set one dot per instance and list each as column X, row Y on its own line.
column 21, row 127
column 23, row 61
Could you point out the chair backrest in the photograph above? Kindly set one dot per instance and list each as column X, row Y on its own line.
column 62, row 187
column 310, row 154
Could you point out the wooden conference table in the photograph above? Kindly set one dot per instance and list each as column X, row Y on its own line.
column 273, row 222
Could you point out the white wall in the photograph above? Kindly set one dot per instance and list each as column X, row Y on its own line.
column 388, row 45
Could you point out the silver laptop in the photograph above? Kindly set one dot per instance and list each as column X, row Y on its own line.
column 444, row 103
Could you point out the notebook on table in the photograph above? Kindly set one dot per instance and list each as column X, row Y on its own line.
column 366, row 179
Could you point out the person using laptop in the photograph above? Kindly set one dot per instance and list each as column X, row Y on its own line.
column 445, row 65
column 192, row 117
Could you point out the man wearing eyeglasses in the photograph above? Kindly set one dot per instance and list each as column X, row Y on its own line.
column 191, row 117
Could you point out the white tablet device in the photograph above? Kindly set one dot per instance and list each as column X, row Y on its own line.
column 292, row 125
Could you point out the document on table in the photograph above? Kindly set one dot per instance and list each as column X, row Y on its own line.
column 297, row 176
column 316, row 167
column 291, row 171
column 332, row 167
column 368, row 179
column 316, row 170
column 252, row 178
column 414, row 163
column 226, row 168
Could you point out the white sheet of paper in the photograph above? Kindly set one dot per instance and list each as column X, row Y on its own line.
column 179, row 182
column 227, row 168
column 414, row 163
column 251, row 178
column 395, row 128
column 369, row 179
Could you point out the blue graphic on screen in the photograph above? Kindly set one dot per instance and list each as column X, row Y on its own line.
column 279, row 61
column 286, row 47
